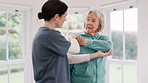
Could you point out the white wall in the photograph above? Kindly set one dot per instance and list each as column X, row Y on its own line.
column 143, row 41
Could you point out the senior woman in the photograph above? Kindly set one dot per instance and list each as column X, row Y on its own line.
column 91, row 41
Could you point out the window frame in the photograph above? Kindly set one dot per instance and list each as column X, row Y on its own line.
column 26, row 28
column 106, row 10
column 73, row 11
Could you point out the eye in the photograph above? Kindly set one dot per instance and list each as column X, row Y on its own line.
column 88, row 19
column 94, row 21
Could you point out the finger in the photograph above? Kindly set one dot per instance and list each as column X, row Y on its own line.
column 78, row 37
column 106, row 54
column 110, row 51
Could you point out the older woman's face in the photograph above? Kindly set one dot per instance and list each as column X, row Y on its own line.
column 91, row 23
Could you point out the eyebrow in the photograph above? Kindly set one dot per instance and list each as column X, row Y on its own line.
column 92, row 18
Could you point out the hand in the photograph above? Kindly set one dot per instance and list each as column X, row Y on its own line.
column 110, row 52
column 102, row 54
column 81, row 41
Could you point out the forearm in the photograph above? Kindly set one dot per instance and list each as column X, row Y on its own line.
column 99, row 45
column 72, row 59
column 96, row 44
column 87, row 57
column 95, row 55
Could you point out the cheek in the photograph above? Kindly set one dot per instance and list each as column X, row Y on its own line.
column 95, row 26
column 63, row 20
column 84, row 25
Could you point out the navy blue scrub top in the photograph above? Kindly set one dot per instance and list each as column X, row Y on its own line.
column 49, row 57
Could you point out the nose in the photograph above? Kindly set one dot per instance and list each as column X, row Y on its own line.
column 89, row 22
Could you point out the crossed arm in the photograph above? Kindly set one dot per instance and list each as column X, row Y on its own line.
column 74, row 48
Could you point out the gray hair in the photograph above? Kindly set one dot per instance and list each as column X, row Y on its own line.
column 100, row 18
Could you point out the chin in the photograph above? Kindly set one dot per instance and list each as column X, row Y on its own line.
column 59, row 26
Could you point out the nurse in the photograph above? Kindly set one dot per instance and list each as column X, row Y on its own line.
column 49, row 50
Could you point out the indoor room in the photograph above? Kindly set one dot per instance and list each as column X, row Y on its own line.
column 124, row 24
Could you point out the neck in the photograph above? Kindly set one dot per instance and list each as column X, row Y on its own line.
column 50, row 24
column 92, row 34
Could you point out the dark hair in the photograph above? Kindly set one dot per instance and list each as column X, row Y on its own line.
column 52, row 7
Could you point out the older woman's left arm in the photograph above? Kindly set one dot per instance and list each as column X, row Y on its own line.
column 103, row 44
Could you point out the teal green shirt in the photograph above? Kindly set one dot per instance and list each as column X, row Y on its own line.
column 92, row 71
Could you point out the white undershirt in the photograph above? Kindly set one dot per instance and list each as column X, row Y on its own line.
column 75, row 48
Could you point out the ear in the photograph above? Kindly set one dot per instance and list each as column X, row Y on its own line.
column 56, row 17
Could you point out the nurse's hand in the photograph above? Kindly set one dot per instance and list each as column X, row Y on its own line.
column 101, row 54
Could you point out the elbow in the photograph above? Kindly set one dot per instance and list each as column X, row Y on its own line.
column 107, row 47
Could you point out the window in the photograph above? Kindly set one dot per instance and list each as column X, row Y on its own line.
column 75, row 21
column 12, row 45
column 124, row 30
column 123, row 23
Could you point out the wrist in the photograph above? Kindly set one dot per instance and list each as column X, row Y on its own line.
column 93, row 55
